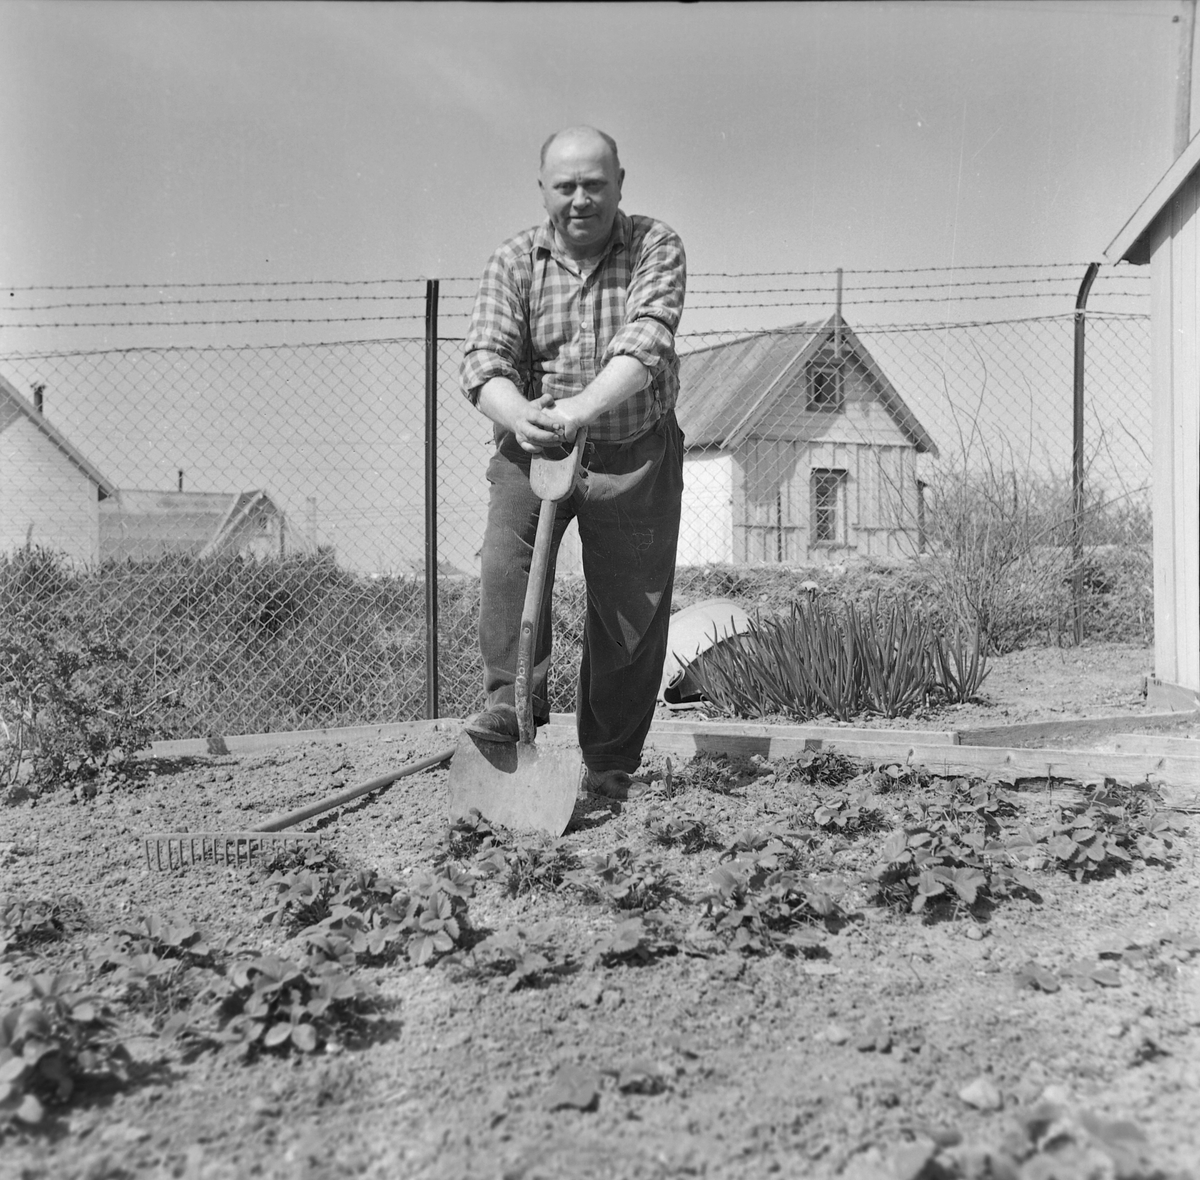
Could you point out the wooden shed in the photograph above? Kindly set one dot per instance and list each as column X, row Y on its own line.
column 1165, row 233
column 799, row 450
column 50, row 495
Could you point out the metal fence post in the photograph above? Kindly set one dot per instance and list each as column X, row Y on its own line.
column 1077, row 473
column 431, row 546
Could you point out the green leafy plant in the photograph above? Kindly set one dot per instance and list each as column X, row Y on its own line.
column 71, row 702
column 25, row 921
column 342, row 913
column 624, row 880
column 760, row 902
column 685, row 832
column 269, row 1003
column 849, row 814
column 535, row 864
column 840, row 660
column 523, row 956
column 158, row 962
column 632, row 941
column 53, row 1036
column 1108, row 831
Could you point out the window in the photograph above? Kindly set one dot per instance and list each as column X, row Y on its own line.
column 828, row 506
column 825, row 384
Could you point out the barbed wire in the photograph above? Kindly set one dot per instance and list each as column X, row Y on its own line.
column 952, row 284
column 273, row 283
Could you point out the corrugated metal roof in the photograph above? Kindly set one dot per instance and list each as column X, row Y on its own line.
column 720, row 384
column 729, row 388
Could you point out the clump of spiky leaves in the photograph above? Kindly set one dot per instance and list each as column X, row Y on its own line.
column 822, row 659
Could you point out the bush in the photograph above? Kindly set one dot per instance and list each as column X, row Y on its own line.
column 69, row 698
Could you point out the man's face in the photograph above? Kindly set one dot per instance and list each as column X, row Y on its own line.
column 581, row 189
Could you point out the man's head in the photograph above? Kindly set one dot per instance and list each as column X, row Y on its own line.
column 580, row 180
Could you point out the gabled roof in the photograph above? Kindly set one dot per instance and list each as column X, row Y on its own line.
column 14, row 406
column 1132, row 244
column 143, row 523
column 730, row 388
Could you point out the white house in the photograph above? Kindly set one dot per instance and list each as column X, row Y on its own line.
column 50, row 495
column 798, row 450
column 1165, row 232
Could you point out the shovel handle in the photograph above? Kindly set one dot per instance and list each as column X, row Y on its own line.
column 553, row 474
column 530, row 613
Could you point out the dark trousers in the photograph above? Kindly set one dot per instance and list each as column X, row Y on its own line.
column 627, row 506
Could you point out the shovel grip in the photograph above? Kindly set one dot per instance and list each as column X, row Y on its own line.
column 530, row 612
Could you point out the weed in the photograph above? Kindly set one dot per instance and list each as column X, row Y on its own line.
column 535, row 864
column 53, row 1035
column 717, row 773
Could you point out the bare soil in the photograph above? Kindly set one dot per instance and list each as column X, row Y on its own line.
column 901, row 1046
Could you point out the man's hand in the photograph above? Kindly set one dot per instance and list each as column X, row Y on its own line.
column 531, row 423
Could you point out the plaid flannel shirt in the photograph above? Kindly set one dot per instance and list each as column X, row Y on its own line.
column 549, row 327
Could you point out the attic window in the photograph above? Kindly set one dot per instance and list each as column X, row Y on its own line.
column 825, row 384
column 828, row 506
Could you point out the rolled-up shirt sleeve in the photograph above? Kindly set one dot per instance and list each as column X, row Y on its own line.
column 654, row 303
column 497, row 339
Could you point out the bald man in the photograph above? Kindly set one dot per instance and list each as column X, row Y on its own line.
column 574, row 325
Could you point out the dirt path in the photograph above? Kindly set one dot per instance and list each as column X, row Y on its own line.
column 885, row 1041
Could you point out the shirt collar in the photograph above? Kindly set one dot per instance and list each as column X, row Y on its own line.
column 544, row 239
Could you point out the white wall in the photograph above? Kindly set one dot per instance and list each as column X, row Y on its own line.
column 1175, row 348
column 706, row 525
column 44, row 498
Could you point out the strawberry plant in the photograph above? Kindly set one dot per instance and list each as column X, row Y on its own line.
column 25, row 921
column 634, row 940
column 1108, row 831
column 685, row 832
column 760, row 902
column 270, row 1003
column 848, row 815
column 53, row 1036
column 623, row 880
column 158, row 963
column 522, row 956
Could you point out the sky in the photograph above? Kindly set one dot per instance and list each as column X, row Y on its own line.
column 147, row 147
column 168, row 143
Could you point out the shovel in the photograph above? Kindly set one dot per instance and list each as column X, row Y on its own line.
column 521, row 785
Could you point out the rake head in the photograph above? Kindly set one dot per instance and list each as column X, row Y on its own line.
column 172, row 850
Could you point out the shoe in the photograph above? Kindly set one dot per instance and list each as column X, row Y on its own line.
column 613, row 784
column 495, row 724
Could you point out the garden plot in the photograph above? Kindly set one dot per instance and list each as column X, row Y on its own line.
column 804, row 966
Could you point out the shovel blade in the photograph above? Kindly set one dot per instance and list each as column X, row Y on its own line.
column 517, row 784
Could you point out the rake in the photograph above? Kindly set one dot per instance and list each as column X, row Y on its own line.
column 170, row 850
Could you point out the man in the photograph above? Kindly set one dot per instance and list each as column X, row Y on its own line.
column 575, row 326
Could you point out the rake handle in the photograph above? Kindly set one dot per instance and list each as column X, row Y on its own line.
column 278, row 822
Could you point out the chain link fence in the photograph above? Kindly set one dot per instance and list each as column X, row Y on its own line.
column 250, row 521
